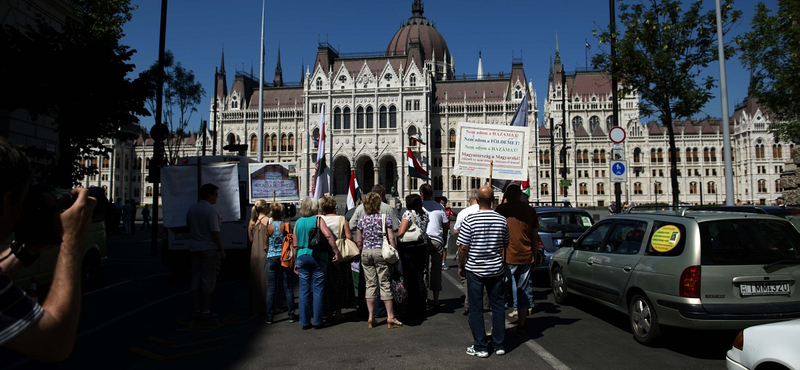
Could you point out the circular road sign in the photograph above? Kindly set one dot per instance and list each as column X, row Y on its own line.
column 616, row 134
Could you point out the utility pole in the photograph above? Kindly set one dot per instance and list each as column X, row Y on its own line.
column 159, row 132
column 564, row 132
column 614, row 102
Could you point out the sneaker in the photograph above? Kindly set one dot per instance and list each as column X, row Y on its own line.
column 472, row 352
column 268, row 321
column 513, row 314
column 445, row 267
column 292, row 320
column 500, row 352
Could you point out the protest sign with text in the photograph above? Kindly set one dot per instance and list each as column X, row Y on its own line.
column 278, row 179
column 501, row 147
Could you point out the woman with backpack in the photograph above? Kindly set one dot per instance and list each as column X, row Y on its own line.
column 276, row 231
column 257, row 236
column 339, row 291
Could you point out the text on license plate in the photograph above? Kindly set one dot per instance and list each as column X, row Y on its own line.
column 765, row 288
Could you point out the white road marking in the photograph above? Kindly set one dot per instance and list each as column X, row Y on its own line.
column 535, row 347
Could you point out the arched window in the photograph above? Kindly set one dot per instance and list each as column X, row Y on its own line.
column 584, row 189
column 231, row 139
column 576, row 122
column 315, row 138
column 337, row 118
column 546, row 157
column 778, row 187
column 147, row 163
column 602, row 156
column 762, row 186
column 370, row 117
column 360, row 117
column 253, row 143
column 274, row 143
column 777, row 151
column 637, row 155
column 688, row 155
column 284, row 142
column 382, row 118
column 637, row 188
column 291, row 142
column 266, row 143
column 713, row 154
column 319, row 83
column 693, row 187
column 543, row 189
column 596, row 156
column 586, row 156
column 711, row 187
column 601, row 188
column 412, row 131
column 660, row 155
column 392, row 117
column 609, row 122
column 346, row 117
column 653, row 158
column 695, row 158
column 452, row 144
column 148, row 192
column 593, row 122
column 412, row 81
column 759, row 149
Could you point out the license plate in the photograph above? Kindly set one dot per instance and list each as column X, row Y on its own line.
column 556, row 242
column 765, row 288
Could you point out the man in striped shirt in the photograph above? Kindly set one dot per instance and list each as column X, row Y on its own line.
column 45, row 332
column 482, row 238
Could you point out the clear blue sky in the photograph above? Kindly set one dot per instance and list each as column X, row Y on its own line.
column 198, row 30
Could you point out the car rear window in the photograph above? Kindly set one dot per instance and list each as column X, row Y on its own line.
column 553, row 222
column 747, row 241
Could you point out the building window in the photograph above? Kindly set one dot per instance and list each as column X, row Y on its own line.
column 147, row 163
column 314, row 108
column 762, row 186
column 603, row 156
column 274, row 143
column 437, row 139
column 412, row 81
column 382, row 119
column 319, row 83
column 452, row 144
column 148, row 191
column 583, row 188
column 778, row 187
column 760, row 151
column 475, row 182
column 412, row 183
column 777, row 151
column 370, row 118
column 392, row 117
column 601, row 188
column 593, row 122
column 337, row 118
column 609, row 122
column 438, row 183
column 315, row 139
column 456, row 183
column 291, row 142
column 714, row 155
column 412, row 131
column 637, row 155
column 416, row 104
column 596, row 156
column 408, row 104
column 692, row 187
column 543, row 189
column 346, row 117
column 660, row 155
column 637, row 188
column 284, row 143
column 576, row 123
column 253, row 143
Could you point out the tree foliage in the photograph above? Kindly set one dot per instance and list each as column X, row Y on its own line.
column 770, row 50
column 662, row 48
column 78, row 76
column 182, row 94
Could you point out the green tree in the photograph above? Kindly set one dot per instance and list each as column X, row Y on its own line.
column 182, row 94
column 662, row 49
column 77, row 77
column 770, row 50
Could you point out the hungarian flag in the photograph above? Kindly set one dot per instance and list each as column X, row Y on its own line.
column 415, row 139
column 414, row 169
column 352, row 191
column 587, row 45
column 526, row 187
column 320, row 185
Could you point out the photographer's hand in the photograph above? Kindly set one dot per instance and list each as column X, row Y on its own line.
column 53, row 336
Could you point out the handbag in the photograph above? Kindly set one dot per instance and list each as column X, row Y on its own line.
column 317, row 241
column 347, row 248
column 398, row 285
column 413, row 234
column 388, row 252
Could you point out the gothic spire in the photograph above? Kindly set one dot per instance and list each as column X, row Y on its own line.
column 417, row 8
column 480, row 66
column 558, row 55
column 222, row 63
column 278, row 80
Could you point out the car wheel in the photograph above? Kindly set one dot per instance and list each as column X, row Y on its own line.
column 559, row 286
column 90, row 269
column 644, row 320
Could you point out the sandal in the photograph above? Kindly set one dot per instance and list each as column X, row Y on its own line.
column 370, row 323
column 394, row 324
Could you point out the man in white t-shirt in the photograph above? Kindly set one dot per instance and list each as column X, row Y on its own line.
column 437, row 219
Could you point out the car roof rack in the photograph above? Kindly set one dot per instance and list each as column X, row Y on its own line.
column 539, row 203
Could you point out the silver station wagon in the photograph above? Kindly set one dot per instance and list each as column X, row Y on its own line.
column 701, row 270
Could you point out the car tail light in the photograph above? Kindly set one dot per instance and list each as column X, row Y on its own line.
column 690, row 282
column 738, row 343
column 540, row 243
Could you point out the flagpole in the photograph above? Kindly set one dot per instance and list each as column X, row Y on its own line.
column 586, row 51
column 260, row 132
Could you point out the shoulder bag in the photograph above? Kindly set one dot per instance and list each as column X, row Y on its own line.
column 317, row 241
column 413, row 234
column 347, row 248
column 388, row 252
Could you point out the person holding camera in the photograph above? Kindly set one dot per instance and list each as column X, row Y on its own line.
column 45, row 332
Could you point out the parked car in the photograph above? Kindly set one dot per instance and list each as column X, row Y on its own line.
column 701, row 270
column 557, row 226
column 771, row 346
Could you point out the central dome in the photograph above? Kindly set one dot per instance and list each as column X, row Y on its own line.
column 418, row 29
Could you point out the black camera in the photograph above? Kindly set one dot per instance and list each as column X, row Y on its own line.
column 37, row 225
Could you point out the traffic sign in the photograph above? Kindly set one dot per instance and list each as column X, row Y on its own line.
column 617, row 134
column 619, row 171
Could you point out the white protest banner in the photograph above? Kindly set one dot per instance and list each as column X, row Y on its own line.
column 280, row 178
column 503, row 148
column 180, row 188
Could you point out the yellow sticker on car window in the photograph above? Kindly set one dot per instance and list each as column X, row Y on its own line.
column 665, row 238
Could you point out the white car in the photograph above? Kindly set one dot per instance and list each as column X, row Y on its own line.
column 768, row 346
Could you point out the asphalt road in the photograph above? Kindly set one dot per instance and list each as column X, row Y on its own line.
column 138, row 318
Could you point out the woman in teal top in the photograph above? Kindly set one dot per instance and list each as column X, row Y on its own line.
column 275, row 232
column 311, row 265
